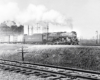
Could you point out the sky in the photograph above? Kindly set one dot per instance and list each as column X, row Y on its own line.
column 83, row 16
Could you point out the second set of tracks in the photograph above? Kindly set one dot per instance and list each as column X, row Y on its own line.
column 46, row 71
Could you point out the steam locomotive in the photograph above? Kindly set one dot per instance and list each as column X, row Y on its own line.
column 52, row 38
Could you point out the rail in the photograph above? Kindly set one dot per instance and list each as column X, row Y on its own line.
column 21, row 65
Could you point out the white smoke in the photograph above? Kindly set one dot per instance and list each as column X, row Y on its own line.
column 54, row 17
column 32, row 14
column 8, row 11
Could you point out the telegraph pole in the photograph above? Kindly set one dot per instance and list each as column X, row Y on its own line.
column 99, row 38
column 37, row 27
column 22, row 54
column 47, row 30
column 28, row 29
column 22, row 51
column 96, row 37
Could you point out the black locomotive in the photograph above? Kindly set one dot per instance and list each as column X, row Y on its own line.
column 52, row 38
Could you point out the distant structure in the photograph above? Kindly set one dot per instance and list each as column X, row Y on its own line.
column 10, row 33
column 31, row 29
column 38, row 28
column 12, row 30
column 26, row 34
column 96, row 37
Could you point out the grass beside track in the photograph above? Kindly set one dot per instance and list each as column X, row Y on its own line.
column 84, row 57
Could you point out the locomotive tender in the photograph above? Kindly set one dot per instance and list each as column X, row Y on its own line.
column 52, row 38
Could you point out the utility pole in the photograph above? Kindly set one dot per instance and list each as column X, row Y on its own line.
column 99, row 38
column 28, row 29
column 38, row 27
column 22, row 54
column 44, row 29
column 96, row 37
column 22, row 51
column 47, row 30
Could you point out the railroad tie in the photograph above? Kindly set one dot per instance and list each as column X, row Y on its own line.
column 44, row 75
column 28, row 73
column 1, row 66
column 17, row 70
column 55, row 79
column 53, row 75
column 6, row 68
column 28, row 70
column 11, row 69
column 23, row 71
column 37, row 73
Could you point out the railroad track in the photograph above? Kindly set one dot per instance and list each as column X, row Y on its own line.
column 48, row 71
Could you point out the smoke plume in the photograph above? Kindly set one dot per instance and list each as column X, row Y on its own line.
column 32, row 14
column 12, row 29
column 8, row 11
